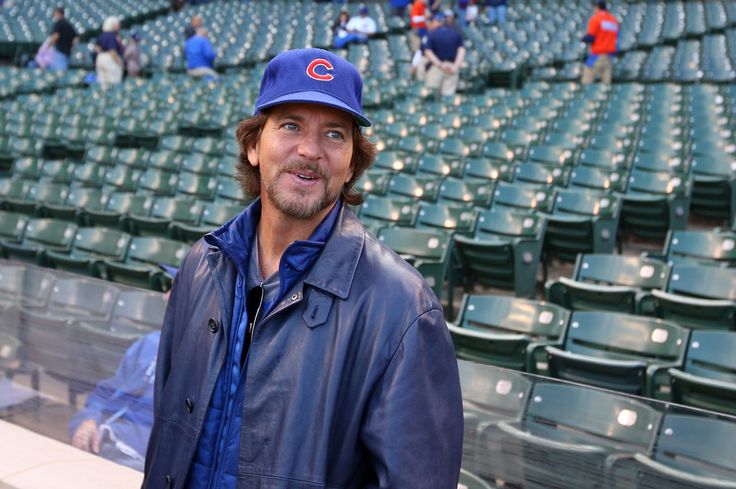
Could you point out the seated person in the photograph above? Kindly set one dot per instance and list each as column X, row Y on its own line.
column 200, row 55
column 359, row 29
column 116, row 419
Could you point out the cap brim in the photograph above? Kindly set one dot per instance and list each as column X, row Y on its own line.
column 314, row 97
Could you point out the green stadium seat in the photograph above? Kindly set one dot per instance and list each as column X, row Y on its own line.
column 713, row 247
column 77, row 200
column 395, row 161
column 524, row 197
column 542, row 175
column 28, row 168
column 385, row 211
column 122, row 178
column 39, row 194
column 699, row 297
column 163, row 211
column 214, row 214
column 470, row 481
column 89, row 174
column 413, row 188
column 199, row 163
column 619, row 352
column 508, row 332
column 427, row 251
column 586, row 177
column 603, row 282
column 582, row 222
column 141, row 266
column 118, row 205
column 568, row 433
column 691, row 451
column 655, row 203
column 90, row 247
column 708, row 377
column 504, row 252
column 41, row 235
column 476, row 193
column 12, row 226
column 158, row 182
column 439, row 166
column 229, row 190
column 195, row 186
column 374, row 182
column 487, row 169
column 490, row 395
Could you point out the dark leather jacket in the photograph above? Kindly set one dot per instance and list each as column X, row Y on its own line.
column 351, row 379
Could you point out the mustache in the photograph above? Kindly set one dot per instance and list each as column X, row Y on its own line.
column 304, row 165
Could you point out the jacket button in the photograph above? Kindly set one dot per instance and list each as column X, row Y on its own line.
column 169, row 482
column 190, row 405
column 212, row 324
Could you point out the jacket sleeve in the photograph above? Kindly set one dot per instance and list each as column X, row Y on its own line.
column 414, row 420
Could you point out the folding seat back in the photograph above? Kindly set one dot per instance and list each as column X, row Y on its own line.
column 608, row 282
column 427, row 251
column 524, row 197
column 690, row 451
column 507, row 331
column 707, row 247
column 387, row 211
column 568, row 433
column 696, row 297
column 413, row 187
column 446, row 218
column 620, row 352
column 708, row 378
column 490, row 395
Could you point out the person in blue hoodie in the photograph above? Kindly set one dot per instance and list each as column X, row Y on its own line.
column 116, row 420
column 200, row 55
column 297, row 350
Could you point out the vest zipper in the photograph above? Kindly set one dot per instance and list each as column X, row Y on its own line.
column 255, row 296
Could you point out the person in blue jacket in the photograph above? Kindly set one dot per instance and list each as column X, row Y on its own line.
column 117, row 416
column 200, row 55
column 297, row 350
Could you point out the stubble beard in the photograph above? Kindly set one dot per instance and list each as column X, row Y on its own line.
column 301, row 205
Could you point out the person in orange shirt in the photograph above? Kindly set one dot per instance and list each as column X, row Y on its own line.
column 418, row 23
column 602, row 35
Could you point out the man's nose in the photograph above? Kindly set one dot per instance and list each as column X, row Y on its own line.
column 309, row 146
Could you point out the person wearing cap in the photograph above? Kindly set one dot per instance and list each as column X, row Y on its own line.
column 419, row 62
column 602, row 35
column 359, row 28
column 446, row 52
column 297, row 350
column 110, row 50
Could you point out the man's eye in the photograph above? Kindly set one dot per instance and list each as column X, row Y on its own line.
column 335, row 135
column 290, row 126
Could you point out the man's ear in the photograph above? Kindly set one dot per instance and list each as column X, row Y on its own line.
column 253, row 154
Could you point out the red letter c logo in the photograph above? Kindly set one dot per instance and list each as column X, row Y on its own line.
column 312, row 70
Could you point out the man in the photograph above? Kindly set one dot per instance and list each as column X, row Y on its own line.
column 297, row 350
column 200, row 55
column 194, row 23
column 360, row 27
column 602, row 35
column 117, row 416
column 418, row 23
column 419, row 61
column 446, row 53
column 62, row 38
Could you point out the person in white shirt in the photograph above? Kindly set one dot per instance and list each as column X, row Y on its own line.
column 359, row 29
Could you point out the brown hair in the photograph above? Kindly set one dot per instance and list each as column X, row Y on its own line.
column 249, row 176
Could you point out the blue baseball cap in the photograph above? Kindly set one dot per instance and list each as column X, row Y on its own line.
column 313, row 76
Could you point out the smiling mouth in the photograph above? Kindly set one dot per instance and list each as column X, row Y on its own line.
column 304, row 177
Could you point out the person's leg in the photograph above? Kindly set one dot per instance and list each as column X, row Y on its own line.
column 449, row 84
column 501, row 14
column 606, row 69
column 588, row 75
column 491, row 12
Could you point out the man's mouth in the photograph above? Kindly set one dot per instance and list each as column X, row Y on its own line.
column 304, row 176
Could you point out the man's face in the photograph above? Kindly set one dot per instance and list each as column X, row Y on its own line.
column 304, row 153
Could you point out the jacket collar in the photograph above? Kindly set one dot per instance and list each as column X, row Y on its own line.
column 335, row 269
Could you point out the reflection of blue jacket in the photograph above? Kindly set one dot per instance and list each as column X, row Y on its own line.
column 350, row 380
column 127, row 397
column 199, row 53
